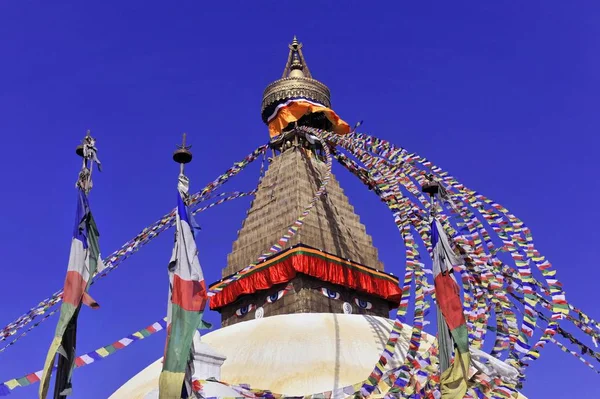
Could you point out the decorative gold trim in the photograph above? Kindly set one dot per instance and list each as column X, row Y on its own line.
column 296, row 87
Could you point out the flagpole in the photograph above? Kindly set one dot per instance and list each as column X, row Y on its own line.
column 182, row 156
column 84, row 255
column 62, row 385
column 452, row 327
column 432, row 188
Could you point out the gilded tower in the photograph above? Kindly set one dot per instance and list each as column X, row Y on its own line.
column 331, row 264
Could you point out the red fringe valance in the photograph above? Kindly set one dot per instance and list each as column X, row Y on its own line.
column 284, row 267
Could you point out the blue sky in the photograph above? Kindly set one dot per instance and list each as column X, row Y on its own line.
column 504, row 95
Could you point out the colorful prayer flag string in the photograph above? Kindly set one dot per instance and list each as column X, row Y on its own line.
column 508, row 287
column 149, row 233
column 486, row 279
column 88, row 358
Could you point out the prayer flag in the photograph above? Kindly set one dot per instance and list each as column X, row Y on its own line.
column 187, row 299
column 83, row 263
column 453, row 379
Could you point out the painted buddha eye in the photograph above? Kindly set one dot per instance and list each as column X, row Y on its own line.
column 243, row 311
column 274, row 297
column 363, row 304
column 330, row 293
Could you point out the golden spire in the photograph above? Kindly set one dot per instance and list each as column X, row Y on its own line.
column 295, row 66
column 296, row 81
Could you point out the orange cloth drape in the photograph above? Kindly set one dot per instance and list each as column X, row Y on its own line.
column 297, row 109
column 314, row 263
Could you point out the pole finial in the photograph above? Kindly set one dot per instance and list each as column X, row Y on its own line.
column 295, row 42
column 86, row 139
column 88, row 152
column 182, row 154
column 430, row 186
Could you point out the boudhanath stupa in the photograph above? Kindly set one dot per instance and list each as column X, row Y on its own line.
column 304, row 331
column 305, row 301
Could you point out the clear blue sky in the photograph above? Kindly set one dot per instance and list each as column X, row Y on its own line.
column 505, row 96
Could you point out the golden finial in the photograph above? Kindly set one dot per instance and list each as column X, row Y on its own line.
column 295, row 44
column 296, row 67
column 296, row 81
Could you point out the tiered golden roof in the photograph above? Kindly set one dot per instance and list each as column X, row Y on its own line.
column 296, row 81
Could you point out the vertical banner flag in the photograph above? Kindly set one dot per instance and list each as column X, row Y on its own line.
column 187, row 299
column 83, row 262
column 453, row 380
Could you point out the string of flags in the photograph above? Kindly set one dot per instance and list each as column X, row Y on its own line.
column 485, row 278
column 88, row 358
column 34, row 325
column 112, row 261
column 510, row 292
column 224, row 198
column 414, row 269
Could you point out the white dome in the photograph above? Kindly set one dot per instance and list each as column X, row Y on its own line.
column 294, row 354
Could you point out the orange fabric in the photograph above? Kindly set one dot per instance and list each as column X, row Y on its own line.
column 296, row 110
column 188, row 294
column 314, row 266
